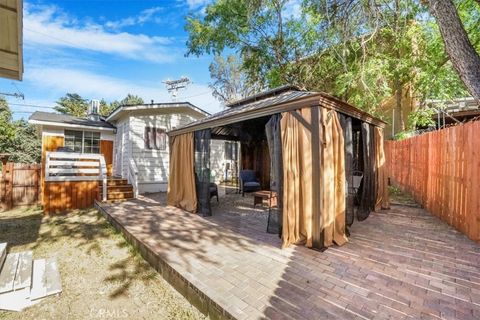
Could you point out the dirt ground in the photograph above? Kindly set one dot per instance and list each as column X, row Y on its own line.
column 102, row 276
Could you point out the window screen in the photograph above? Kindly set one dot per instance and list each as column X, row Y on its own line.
column 73, row 140
column 155, row 138
column 82, row 141
column 91, row 142
column 231, row 150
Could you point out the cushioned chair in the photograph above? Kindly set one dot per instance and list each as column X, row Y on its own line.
column 248, row 181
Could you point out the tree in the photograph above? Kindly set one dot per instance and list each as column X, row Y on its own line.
column 230, row 82
column 18, row 138
column 130, row 99
column 72, row 104
column 27, row 145
column 261, row 32
column 106, row 108
column 7, row 130
column 465, row 59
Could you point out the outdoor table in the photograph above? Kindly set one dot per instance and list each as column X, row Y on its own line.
column 265, row 195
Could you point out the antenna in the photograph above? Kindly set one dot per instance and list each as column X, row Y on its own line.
column 173, row 86
column 16, row 95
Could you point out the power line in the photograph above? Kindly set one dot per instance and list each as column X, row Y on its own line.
column 30, row 105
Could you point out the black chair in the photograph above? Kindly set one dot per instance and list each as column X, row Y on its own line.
column 248, row 182
column 213, row 189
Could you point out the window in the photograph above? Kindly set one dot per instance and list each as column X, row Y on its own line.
column 231, row 150
column 155, row 138
column 82, row 141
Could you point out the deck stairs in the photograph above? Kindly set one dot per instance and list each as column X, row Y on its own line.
column 24, row 281
column 118, row 189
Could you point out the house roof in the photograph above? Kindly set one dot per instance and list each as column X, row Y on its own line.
column 278, row 100
column 174, row 106
column 11, row 39
column 65, row 120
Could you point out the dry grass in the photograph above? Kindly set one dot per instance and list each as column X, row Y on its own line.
column 102, row 276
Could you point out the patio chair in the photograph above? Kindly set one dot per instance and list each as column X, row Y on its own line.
column 248, row 181
column 213, row 189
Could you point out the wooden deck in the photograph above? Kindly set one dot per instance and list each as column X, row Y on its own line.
column 399, row 264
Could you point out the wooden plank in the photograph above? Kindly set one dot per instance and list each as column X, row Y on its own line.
column 74, row 163
column 23, row 278
column 46, row 278
column 52, row 274
column 7, row 275
column 73, row 178
column 39, row 285
column 3, row 253
column 77, row 171
column 72, row 155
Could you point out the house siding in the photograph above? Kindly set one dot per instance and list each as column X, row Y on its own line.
column 122, row 149
column 217, row 160
column 153, row 165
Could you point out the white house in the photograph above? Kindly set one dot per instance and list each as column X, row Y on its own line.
column 141, row 140
column 133, row 140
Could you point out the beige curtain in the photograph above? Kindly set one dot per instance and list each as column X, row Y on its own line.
column 297, row 177
column 382, row 200
column 181, row 183
column 332, row 184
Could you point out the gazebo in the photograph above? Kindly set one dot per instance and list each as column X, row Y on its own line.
column 323, row 157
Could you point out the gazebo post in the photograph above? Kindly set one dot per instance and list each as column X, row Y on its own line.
column 317, row 233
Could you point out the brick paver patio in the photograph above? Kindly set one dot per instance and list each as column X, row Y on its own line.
column 399, row 264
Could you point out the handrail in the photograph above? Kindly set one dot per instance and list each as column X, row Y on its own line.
column 133, row 176
column 71, row 166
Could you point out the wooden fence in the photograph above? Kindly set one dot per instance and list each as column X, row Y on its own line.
column 19, row 185
column 72, row 181
column 441, row 169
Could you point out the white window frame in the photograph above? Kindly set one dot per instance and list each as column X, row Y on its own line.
column 83, row 139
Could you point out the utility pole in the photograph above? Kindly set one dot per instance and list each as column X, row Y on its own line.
column 174, row 86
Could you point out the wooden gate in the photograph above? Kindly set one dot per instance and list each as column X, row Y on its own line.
column 19, row 185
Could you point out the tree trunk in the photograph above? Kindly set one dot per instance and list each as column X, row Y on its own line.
column 464, row 58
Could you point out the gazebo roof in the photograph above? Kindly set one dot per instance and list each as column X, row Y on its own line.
column 274, row 101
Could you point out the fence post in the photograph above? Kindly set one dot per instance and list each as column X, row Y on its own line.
column 8, row 185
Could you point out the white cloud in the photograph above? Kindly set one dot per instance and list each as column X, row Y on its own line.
column 195, row 4
column 90, row 85
column 144, row 16
column 49, row 26
column 293, row 9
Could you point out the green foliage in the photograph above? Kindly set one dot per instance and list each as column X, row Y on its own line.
column 72, row 104
column 7, row 130
column 260, row 33
column 18, row 138
column 423, row 117
column 403, row 135
column 106, row 108
column 27, row 145
column 230, row 82
column 360, row 51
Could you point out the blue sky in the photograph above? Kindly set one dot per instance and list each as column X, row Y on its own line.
column 106, row 49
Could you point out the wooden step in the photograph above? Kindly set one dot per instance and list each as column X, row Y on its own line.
column 3, row 253
column 121, row 188
column 114, row 182
column 7, row 275
column 119, row 195
column 46, row 278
